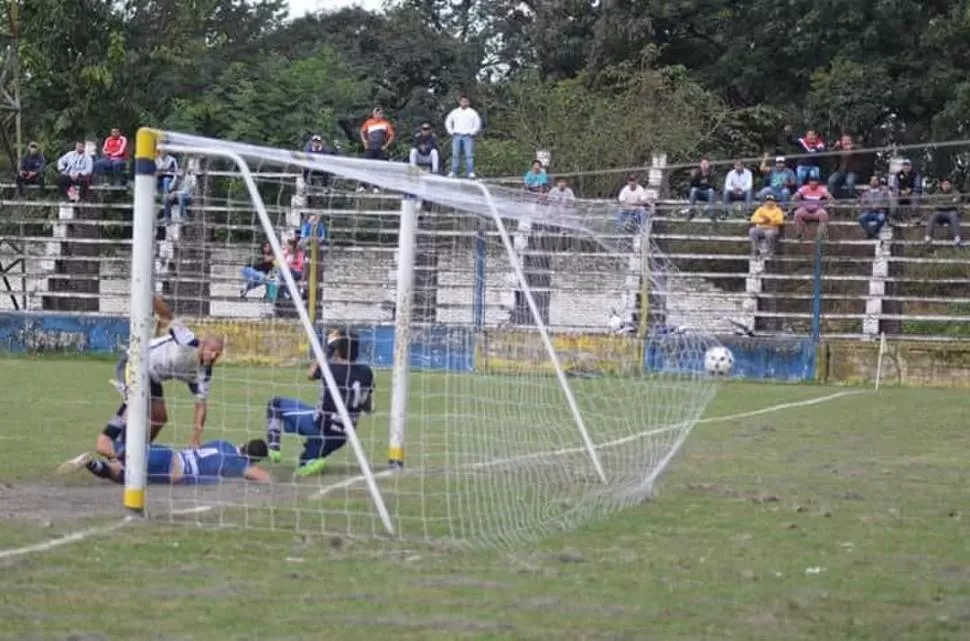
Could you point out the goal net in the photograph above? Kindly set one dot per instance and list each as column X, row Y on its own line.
column 526, row 379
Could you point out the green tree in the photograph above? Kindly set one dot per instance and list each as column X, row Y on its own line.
column 277, row 102
column 614, row 120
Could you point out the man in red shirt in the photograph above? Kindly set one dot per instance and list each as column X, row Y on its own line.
column 114, row 157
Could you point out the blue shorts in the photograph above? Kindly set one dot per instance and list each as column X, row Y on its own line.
column 299, row 418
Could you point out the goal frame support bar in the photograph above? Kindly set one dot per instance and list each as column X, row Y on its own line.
column 140, row 321
column 144, row 217
column 404, row 301
column 405, row 286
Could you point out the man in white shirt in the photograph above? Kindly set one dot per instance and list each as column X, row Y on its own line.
column 634, row 201
column 182, row 196
column 463, row 124
column 166, row 172
column 74, row 172
column 738, row 185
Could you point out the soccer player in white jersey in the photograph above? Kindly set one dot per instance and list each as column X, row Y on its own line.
column 177, row 354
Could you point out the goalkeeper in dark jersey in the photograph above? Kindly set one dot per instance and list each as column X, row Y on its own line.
column 322, row 426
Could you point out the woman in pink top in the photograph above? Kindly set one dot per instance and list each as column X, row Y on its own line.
column 810, row 197
column 295, row 259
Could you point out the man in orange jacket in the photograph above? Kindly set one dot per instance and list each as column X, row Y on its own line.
column 377, row 133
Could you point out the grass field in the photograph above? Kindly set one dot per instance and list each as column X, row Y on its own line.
column 847, row 519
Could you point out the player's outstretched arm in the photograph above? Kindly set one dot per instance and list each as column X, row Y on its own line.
column 198, row 422
column 257, row 475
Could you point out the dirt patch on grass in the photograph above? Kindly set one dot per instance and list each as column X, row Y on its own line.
column 48, row 502
column 51, row 501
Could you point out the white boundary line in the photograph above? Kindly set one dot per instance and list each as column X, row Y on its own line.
column 346, row 483
column 81, row 535
column 73, row 537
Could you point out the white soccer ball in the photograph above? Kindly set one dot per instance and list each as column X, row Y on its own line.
column 718, row 361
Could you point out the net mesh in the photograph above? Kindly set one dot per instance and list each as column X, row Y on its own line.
column 494, row 454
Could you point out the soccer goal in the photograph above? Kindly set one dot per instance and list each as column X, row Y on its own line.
column 527, row 380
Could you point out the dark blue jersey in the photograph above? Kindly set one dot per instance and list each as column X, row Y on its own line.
column 207, row 464
column 356, row 384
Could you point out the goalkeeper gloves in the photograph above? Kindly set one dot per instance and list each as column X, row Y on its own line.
column 275, row 456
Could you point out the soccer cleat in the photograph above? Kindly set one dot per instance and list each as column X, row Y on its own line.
column 312, row 468
column 75, row 464
column 275, row 456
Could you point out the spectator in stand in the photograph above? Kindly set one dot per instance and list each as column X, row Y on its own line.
column 463, row 124
column 738, row 185
column 166, row 172
column 811, row 196
column 74, row 173
column 766, row 222
column 114, row 156
column 908, row 186
column 257, row 272
column 634, row 201
column 32, row 168
column 780, row 179
column 317, row 145
column 536, row 179
column 874, row 203
column 810, row 144
column 424, row 150
column 561, row 194
column 311, row 228
column 850, row 166
column 702, row 183
column 377, row 134
column 182, row 196
column 295, row 259
column 947, row 203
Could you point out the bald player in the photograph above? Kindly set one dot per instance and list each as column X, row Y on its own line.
column 177, row 354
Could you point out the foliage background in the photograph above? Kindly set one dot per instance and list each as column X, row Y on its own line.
column 601, row 83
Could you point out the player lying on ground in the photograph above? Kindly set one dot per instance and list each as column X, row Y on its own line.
column 321, row 426
column 190, row 466
column 177, row 354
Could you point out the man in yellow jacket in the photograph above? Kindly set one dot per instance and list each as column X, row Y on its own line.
column 766, row 222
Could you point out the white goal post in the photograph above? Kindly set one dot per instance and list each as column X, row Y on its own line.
column 658, row 410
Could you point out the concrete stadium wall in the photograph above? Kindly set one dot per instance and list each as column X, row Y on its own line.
column 456, row 348
column 358, row 285
column 911, row 363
